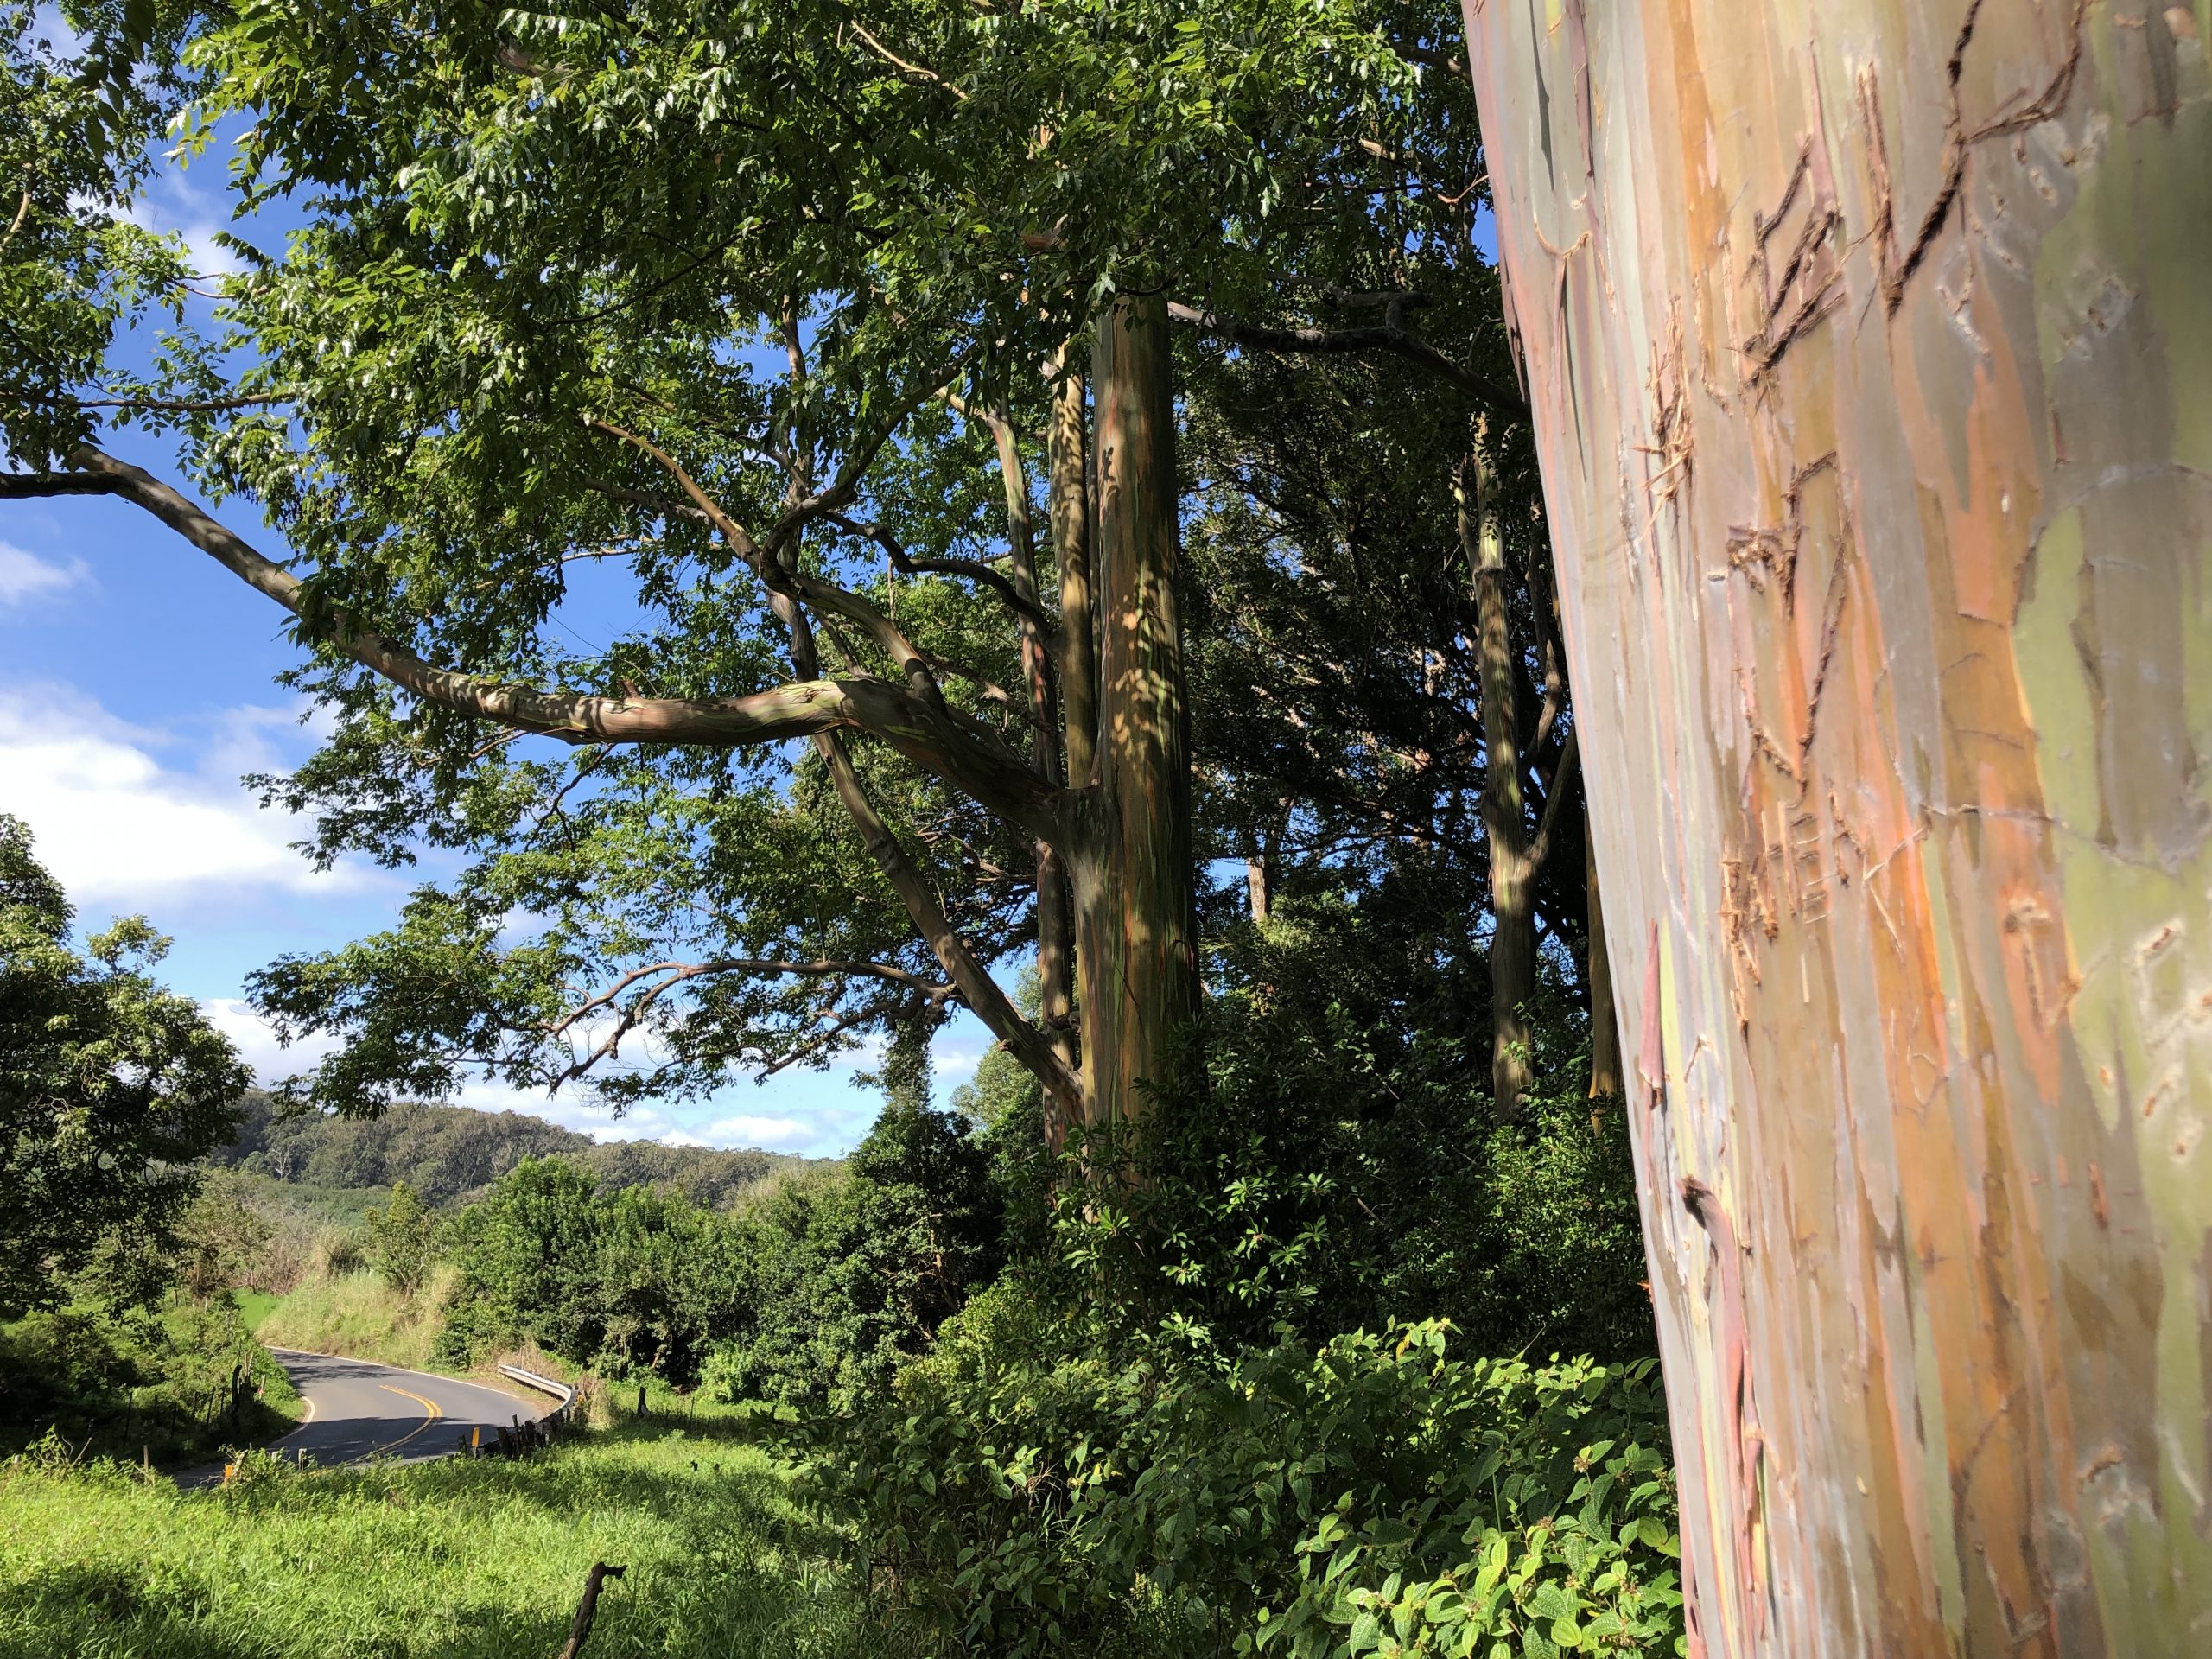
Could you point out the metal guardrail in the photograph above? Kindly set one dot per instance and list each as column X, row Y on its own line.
column 524, row 1438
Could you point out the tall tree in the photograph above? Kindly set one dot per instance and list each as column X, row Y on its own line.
column 111, row 1091
column 1869, row 363
column 736, row 431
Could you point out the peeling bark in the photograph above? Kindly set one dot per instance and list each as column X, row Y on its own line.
column 1869, row 356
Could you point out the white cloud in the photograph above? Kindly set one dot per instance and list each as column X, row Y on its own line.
column 26, row 576
column 122, row 828
column 954, row 1066
column 174, row 206
column 257, row 1044
column 746, row 1130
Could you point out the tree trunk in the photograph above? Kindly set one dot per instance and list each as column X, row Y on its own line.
column 1505, row 810
column 1068, row 494
column 1870, row 356
column 1054, row 922
column 1604, row 1017
column 1131, row 848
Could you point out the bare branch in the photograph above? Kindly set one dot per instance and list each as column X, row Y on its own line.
column 977, row 989
column 162, row 405
column 29, row 486
column 1449, row 63
column 901, row 64
column 679, row 973
column 973, row 569
column 862, row 457
column 807, row 1051
column 667, row 505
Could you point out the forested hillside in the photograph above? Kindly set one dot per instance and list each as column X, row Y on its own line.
column 444, row 1153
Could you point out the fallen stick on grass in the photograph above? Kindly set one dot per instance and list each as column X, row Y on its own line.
column 587, row 1609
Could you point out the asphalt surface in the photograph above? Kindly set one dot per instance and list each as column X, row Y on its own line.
column 357, row 1408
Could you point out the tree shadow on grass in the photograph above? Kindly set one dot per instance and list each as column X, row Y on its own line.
column 74, row 1607
column 712, row 1484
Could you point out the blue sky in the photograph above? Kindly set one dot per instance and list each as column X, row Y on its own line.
column 137, row 687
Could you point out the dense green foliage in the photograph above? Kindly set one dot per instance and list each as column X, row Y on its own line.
column 403, row 1240
column 140, row 1383
column 1217, row 1407
column 1327, row 1167
column 1027, row 1493
column 74, row 267
column 815, row 1292
column 445, row 1153
column 110, row 1088
column 222, row 1244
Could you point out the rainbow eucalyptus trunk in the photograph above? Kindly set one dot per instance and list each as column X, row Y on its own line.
column 1505, row 813
column 1869, row 349
column 1130, row 859
column 1067, row 482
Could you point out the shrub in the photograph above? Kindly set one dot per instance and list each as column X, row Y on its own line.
column 1302, row 1168
column 403, row 1240
column 1028, row 1490
column 160, row 1385
column 845, row 1278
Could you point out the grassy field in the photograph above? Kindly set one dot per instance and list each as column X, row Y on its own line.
column 361, row 1315
column 464, row 1560
column 254, row 1306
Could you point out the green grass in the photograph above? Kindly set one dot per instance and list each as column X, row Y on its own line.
column 463, row 1561
column 254, row 1306
column 361, row 1315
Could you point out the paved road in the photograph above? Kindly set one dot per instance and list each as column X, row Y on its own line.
column 357, row 1408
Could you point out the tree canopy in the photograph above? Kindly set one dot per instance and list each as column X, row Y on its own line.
column 700, row 524
column 109, row 1088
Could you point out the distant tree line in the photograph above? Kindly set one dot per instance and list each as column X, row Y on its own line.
column 446, row 1152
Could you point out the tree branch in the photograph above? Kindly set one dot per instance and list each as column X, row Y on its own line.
column 792, row 583
column 1570, row 760
column 827, row 968
column 29, row 486
column 1501, row 400
column 973, row 569
column 901, row 64
column 165, row 405
column 679, row 973
column 587, row 1609
column 930, row 737
column 858, row 459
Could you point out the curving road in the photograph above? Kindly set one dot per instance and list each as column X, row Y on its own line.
column 357, row 1408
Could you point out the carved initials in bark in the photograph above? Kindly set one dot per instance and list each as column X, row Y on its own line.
column 1806, row 290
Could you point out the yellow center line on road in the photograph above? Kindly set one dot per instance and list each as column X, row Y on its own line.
column 430, row 1407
